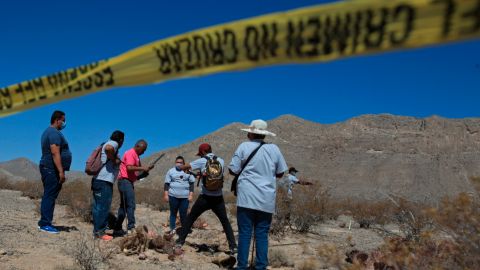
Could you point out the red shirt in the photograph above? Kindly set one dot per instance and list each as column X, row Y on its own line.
column 130, row 158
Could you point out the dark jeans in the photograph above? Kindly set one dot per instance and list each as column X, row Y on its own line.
column 250, row 220
column 127, row 204
column 102, row 200
column 177, row 204
column 202, row 204
column 51, row 189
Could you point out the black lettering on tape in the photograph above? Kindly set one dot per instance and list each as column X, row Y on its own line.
column 315, row 39
column 87, row 83
column 165, row 63
column 21, row 91
column 447, row 17
column 251, row 43
column 5, row 99
column 98, row 79
column 189, row 63
column 294, row 39
column 174, row 53
column 375, row 30
column 110, row 80
column 29, row 92
column 261, row 42
column 357, row 30
column 409, row 16
column 230, row 38
column 336, row 32
column 215, row 46
column 39, row 88
column 473, row 14
column 269, row 43
column 77, row 87
column 200, row 46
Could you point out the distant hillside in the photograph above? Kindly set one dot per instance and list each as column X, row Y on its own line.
column 363, row 157
column 25, row 169
column 22, row 168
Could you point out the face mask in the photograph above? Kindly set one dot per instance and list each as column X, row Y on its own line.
column 64, row 125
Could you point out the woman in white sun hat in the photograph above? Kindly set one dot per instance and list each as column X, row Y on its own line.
column 256, row 189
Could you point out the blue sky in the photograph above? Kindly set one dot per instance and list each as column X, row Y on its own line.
column 41, row 37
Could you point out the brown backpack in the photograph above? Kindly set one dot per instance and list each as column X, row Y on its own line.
column 213, row 176
column 94, row 162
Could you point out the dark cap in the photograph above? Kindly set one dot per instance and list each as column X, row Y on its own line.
column 204, row 147
column 292, row 169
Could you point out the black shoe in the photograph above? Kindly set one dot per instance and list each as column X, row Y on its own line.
column 233, row 251
column 119, row 233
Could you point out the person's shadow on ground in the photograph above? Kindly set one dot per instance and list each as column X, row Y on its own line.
column 66, row 228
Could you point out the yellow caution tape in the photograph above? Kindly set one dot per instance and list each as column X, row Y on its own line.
column 317, row 33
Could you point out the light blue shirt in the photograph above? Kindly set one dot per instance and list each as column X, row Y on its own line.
column 292, row 180
column 109, row 171
column 257, row 182
column 200, row 164
column 179, row 183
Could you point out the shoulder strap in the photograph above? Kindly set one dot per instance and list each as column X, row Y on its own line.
column 250, row 157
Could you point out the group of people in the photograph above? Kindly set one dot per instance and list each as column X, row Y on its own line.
column 256, row 166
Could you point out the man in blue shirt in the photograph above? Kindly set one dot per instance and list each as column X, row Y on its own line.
column 208, row 200
column 56, row 159
column 256, row 189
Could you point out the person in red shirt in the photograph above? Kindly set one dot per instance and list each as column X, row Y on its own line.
column 129, row 170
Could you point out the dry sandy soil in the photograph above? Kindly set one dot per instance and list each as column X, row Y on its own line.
column 22, row 246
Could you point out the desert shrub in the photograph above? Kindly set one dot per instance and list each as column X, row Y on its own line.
column 308, row 207
column 281, row 218
column 451, row 240
column 278, row 258
column 5, row 184
column 31, row 189
column 77, row 196
column 475, row 180
column 459, row 218
column 151, row 197
column 88, row 254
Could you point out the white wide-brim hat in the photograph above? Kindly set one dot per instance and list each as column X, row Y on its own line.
column 259, row 127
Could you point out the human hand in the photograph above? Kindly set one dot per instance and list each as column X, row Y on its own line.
column 61, row 177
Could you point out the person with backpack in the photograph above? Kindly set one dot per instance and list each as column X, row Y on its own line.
column 178, row 192
column 55, row 161
column 102, row 184
column 129, row 169
column 256, row 165
column 211, row 195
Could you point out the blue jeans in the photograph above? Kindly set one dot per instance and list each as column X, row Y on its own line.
column 256, row 221
column 127, row 204
column 51, row 189
column 177, row 204
column 102, row 200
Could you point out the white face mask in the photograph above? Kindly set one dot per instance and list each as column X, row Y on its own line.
column 64, row 125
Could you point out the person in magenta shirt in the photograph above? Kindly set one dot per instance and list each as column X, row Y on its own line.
column 129, row 170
